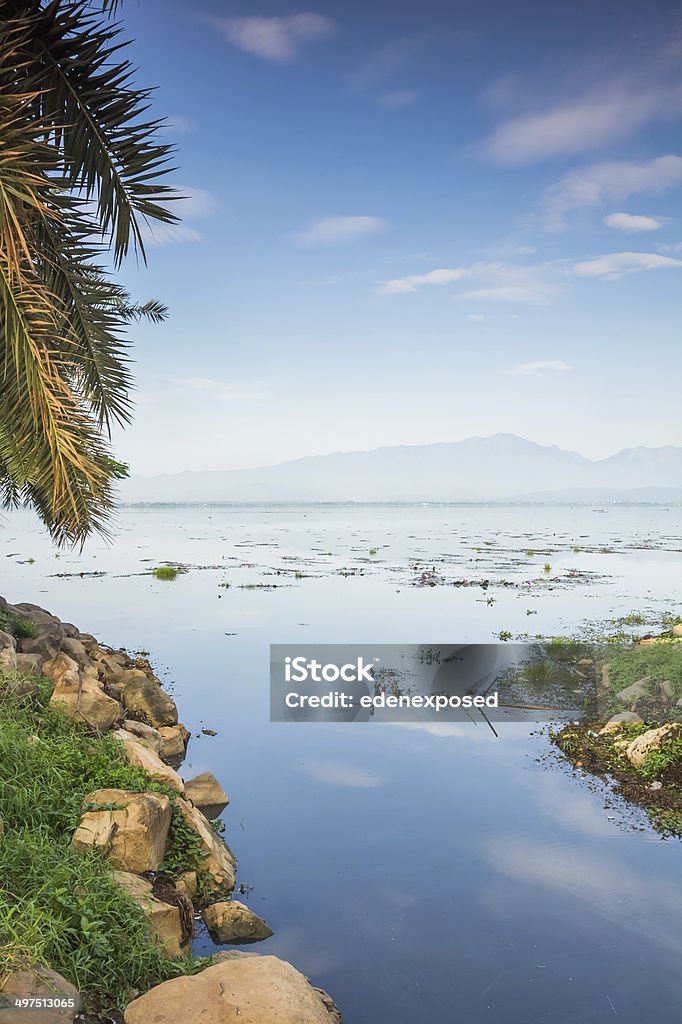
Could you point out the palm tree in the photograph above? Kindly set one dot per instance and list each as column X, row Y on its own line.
column 81, row 170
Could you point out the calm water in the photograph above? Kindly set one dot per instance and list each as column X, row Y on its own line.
column 422, row 873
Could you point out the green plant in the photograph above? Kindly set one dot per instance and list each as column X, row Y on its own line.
column 81, row 177
column 669, row 756
column 17, row 625
column 57, row 907
column 372, row 551
column 504, row 635
column 547, row 567
column 165, row 572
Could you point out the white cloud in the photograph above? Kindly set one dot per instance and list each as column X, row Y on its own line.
column 277, row 39
column 330, row 230
column 610, row 181
column 178, row 124
column 475, row 316
column 569, row 128
column 495, row 281
column 633, row 222
column 412, row 282
column 189, row 204
column 618, row 264
column 385, row 63
column 399, row 98
column 157, row 235
column 539, row 368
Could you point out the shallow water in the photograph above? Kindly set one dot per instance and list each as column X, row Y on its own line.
column 429, row 872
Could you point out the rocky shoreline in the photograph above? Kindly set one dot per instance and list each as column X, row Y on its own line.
column 161, row 839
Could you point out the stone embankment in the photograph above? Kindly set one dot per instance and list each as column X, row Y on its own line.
column 111, row 691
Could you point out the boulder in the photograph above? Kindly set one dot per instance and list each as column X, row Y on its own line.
column 20, row 687
column 113, row 671
column 677, row 629
column 30, row 664
column 71, row 630
column 666, row 688
column 142, row 756
column 79, row 694
column 147, row 734
column 75, row 650
column 8, row 659
column 39, row 982
column 89, row 642
column 187, row 883
column 131, row 827
column 144, row 697
column 207, row 794
column 232, row 921
column 634, row 691
column 49, row 631
column 655, row 739
column 614, row 724
column 7, row 641
column 245, row 990
column 165, row 921
column 219, row 862
column 173, row 742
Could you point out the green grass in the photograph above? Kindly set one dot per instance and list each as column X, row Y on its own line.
column 659, row 761
column 16, row 625
column 166, row 572
column 658, row 662
column 56, row 907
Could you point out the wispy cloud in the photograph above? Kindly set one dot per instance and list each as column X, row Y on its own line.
column 619, row 264
column 413, row 282
column 539, row 368
column 577, row 126
column 398, row 99
column 493, row 281
column 381, row 65
column 633, row 222
column 277, row 39
column 610, row 181
column 191, row 204
column 334, row 230
column 178, row 124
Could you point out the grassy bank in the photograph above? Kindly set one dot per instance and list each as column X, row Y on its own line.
column 56, row 907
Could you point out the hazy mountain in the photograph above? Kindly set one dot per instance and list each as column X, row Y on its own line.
column 478, row 468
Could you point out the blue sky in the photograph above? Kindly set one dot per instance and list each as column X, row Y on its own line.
column 408, row 224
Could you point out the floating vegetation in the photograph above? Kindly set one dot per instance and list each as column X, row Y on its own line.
column 166, row 572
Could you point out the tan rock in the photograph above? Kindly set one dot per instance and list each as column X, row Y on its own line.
column 618, row 721
column 219, row 862
column 79, row 694
column 147, row 734
column 187, row 883
column 89, row 642
column 113, row 672
column 142, row 756
column 246, row 990
column 75, row 650
column 677, row 629
column 207, row 794
column 145, row 698
column 8, row 659
column 173, row 742
column 29, row 664
column 655, row 739
column 41, row 982
column 165, row 922
column 232, row 921
column 131, row 827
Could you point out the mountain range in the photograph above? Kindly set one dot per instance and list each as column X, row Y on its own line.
column 501, row 467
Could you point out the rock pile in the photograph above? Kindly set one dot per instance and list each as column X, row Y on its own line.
column 107, row 690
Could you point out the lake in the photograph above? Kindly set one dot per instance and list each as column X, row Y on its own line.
column 421, row 872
